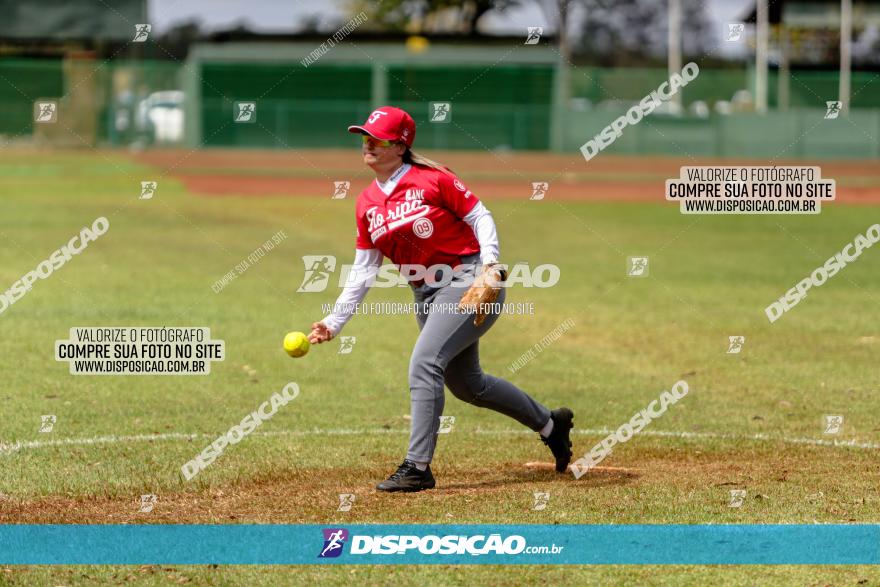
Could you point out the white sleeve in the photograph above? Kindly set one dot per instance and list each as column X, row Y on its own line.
column 366, row 266
column 483, row 225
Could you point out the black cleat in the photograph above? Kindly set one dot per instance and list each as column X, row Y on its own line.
column 559, row 440
column 408, row 478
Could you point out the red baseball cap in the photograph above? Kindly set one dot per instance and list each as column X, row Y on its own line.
column 388, row 123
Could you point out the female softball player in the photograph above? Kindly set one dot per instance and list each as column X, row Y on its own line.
column 418, row 213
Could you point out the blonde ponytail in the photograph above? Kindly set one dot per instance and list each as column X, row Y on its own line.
column 414, row 158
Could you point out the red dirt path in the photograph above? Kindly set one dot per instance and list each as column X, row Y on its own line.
column 489, row 175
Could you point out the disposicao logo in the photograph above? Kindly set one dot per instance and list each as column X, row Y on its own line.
column 334, row 540
column 432, row 544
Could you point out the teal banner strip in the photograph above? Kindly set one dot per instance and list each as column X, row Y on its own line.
column 439, row 544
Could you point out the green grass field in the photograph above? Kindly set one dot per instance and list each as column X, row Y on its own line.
column 756, row 417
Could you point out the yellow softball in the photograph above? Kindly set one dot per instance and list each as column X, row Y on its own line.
column 296, row 344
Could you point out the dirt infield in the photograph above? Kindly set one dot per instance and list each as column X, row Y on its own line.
column 490, row 175
column 301, row 495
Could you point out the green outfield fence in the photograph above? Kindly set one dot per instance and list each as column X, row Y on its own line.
column 801, row 133
column 94, row 97
column 21, row 80
column 501, row 99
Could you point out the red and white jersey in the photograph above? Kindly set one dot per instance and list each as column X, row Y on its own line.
column 416, row 217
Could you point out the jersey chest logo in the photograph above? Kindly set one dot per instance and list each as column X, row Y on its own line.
column 401, row 214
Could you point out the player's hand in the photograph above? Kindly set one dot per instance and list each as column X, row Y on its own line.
column 320, row 333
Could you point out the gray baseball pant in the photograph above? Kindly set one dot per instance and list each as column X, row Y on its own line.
column 447, row 351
